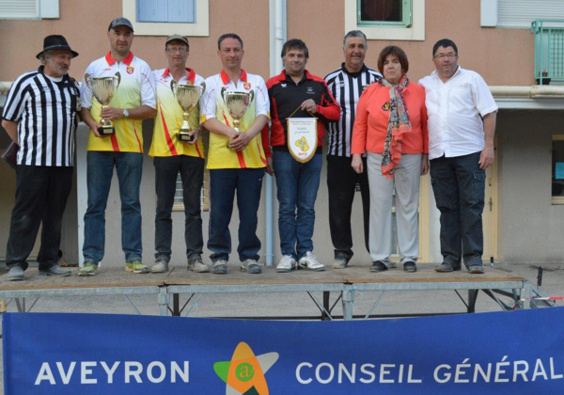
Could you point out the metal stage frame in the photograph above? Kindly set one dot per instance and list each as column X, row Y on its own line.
column 508, row 291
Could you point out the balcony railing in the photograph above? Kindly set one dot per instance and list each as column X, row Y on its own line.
column 549, row 51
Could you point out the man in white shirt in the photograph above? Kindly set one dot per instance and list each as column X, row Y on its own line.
column 462, row 116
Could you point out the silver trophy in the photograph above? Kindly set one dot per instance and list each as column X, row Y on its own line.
column 103, row 89
column 237, row 104
column 188, row 97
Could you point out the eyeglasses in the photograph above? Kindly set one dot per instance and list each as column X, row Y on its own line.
column 445, row 55
column 179, row 50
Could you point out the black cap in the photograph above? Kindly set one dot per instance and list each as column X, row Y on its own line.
column 54, row 42
column 121, row 21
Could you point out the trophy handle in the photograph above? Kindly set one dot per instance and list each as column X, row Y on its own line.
column 118, row 76
column 173, row 86
column 252, row 96
column 87, row 80
column 223, row 93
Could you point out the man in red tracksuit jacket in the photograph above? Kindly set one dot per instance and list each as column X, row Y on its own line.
column 296, row 93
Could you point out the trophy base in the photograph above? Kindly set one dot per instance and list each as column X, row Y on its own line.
column 186, row 137
column 106, row 130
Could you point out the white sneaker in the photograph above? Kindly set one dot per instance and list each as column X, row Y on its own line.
column 310, row 262
column 160, row 266
column 286, row 264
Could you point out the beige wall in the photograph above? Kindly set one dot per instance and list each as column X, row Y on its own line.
column 502, row 56
column 531, row 228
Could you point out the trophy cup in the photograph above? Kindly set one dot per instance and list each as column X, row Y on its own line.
column 237, row 104
column 188, row 97
column 103, row 89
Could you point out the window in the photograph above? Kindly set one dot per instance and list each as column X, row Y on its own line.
column 167, row 17
column 29, row 9
column 177, row 11
column 387, row 19
column 558, row 169
column 384, row 13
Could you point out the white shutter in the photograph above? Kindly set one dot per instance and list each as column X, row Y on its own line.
column 520, row 13
column 19, row 9
column 171, row 11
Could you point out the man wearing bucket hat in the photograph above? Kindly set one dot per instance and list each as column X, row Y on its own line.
column 132, row 102
column 41, row 116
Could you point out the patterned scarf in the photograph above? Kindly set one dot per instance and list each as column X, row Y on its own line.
column 397, row 126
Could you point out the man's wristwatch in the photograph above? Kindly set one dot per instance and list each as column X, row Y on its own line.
column 125, row 113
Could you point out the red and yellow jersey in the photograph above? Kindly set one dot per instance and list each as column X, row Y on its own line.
column 220, row 156
column 170, row 116
column 136, row 87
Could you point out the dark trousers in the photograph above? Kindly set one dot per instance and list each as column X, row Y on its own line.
column 224, row 183
column 41, row 198
column 191, row 171
column 341, row 183
column 459, row 188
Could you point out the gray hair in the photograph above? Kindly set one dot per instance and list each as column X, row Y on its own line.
column 355, row 33
column 45, row 55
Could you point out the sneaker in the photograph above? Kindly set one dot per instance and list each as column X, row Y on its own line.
column 409, row 266
column 286, row 264
column 88, row 269
column 476, row 269
column 16, row 274
column 446, row 267
column 340, row 262
column 250, row 266
column 310, row 262
column 378, row 266
column 136, row 267
column 197, row 266
column 160, row 266
column 54, row 270
column 219, row 267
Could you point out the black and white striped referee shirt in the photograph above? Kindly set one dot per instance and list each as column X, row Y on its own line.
column 346, row 89
column 47, row 115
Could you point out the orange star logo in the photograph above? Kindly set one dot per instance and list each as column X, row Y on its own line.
column 244, row 374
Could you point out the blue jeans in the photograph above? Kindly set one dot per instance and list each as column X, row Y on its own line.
column 41, row 197
column 459, row 187
column 129, row 167
column 297, row 185
column 223, row 184
column 192, row 175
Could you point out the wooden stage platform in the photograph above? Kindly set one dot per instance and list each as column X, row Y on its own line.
column 169, row 287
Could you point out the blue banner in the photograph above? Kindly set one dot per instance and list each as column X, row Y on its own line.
column 519, row 352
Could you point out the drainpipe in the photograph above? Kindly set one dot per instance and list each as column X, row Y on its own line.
column 277, row 14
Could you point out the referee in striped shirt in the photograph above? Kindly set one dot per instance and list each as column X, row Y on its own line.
column 41, row 116
column 346, row 84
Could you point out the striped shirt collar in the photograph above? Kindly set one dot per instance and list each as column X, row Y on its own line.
column 111, row 60
column 190, row 77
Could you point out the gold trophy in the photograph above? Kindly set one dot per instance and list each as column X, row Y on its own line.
column 103, row 89
column 188, row 97
column 237, row 104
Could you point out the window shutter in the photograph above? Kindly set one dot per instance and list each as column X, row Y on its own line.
column 18, row 9
column 174, row 11
column 520, row 13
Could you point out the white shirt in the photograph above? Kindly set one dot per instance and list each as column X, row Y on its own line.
column 455, row 109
